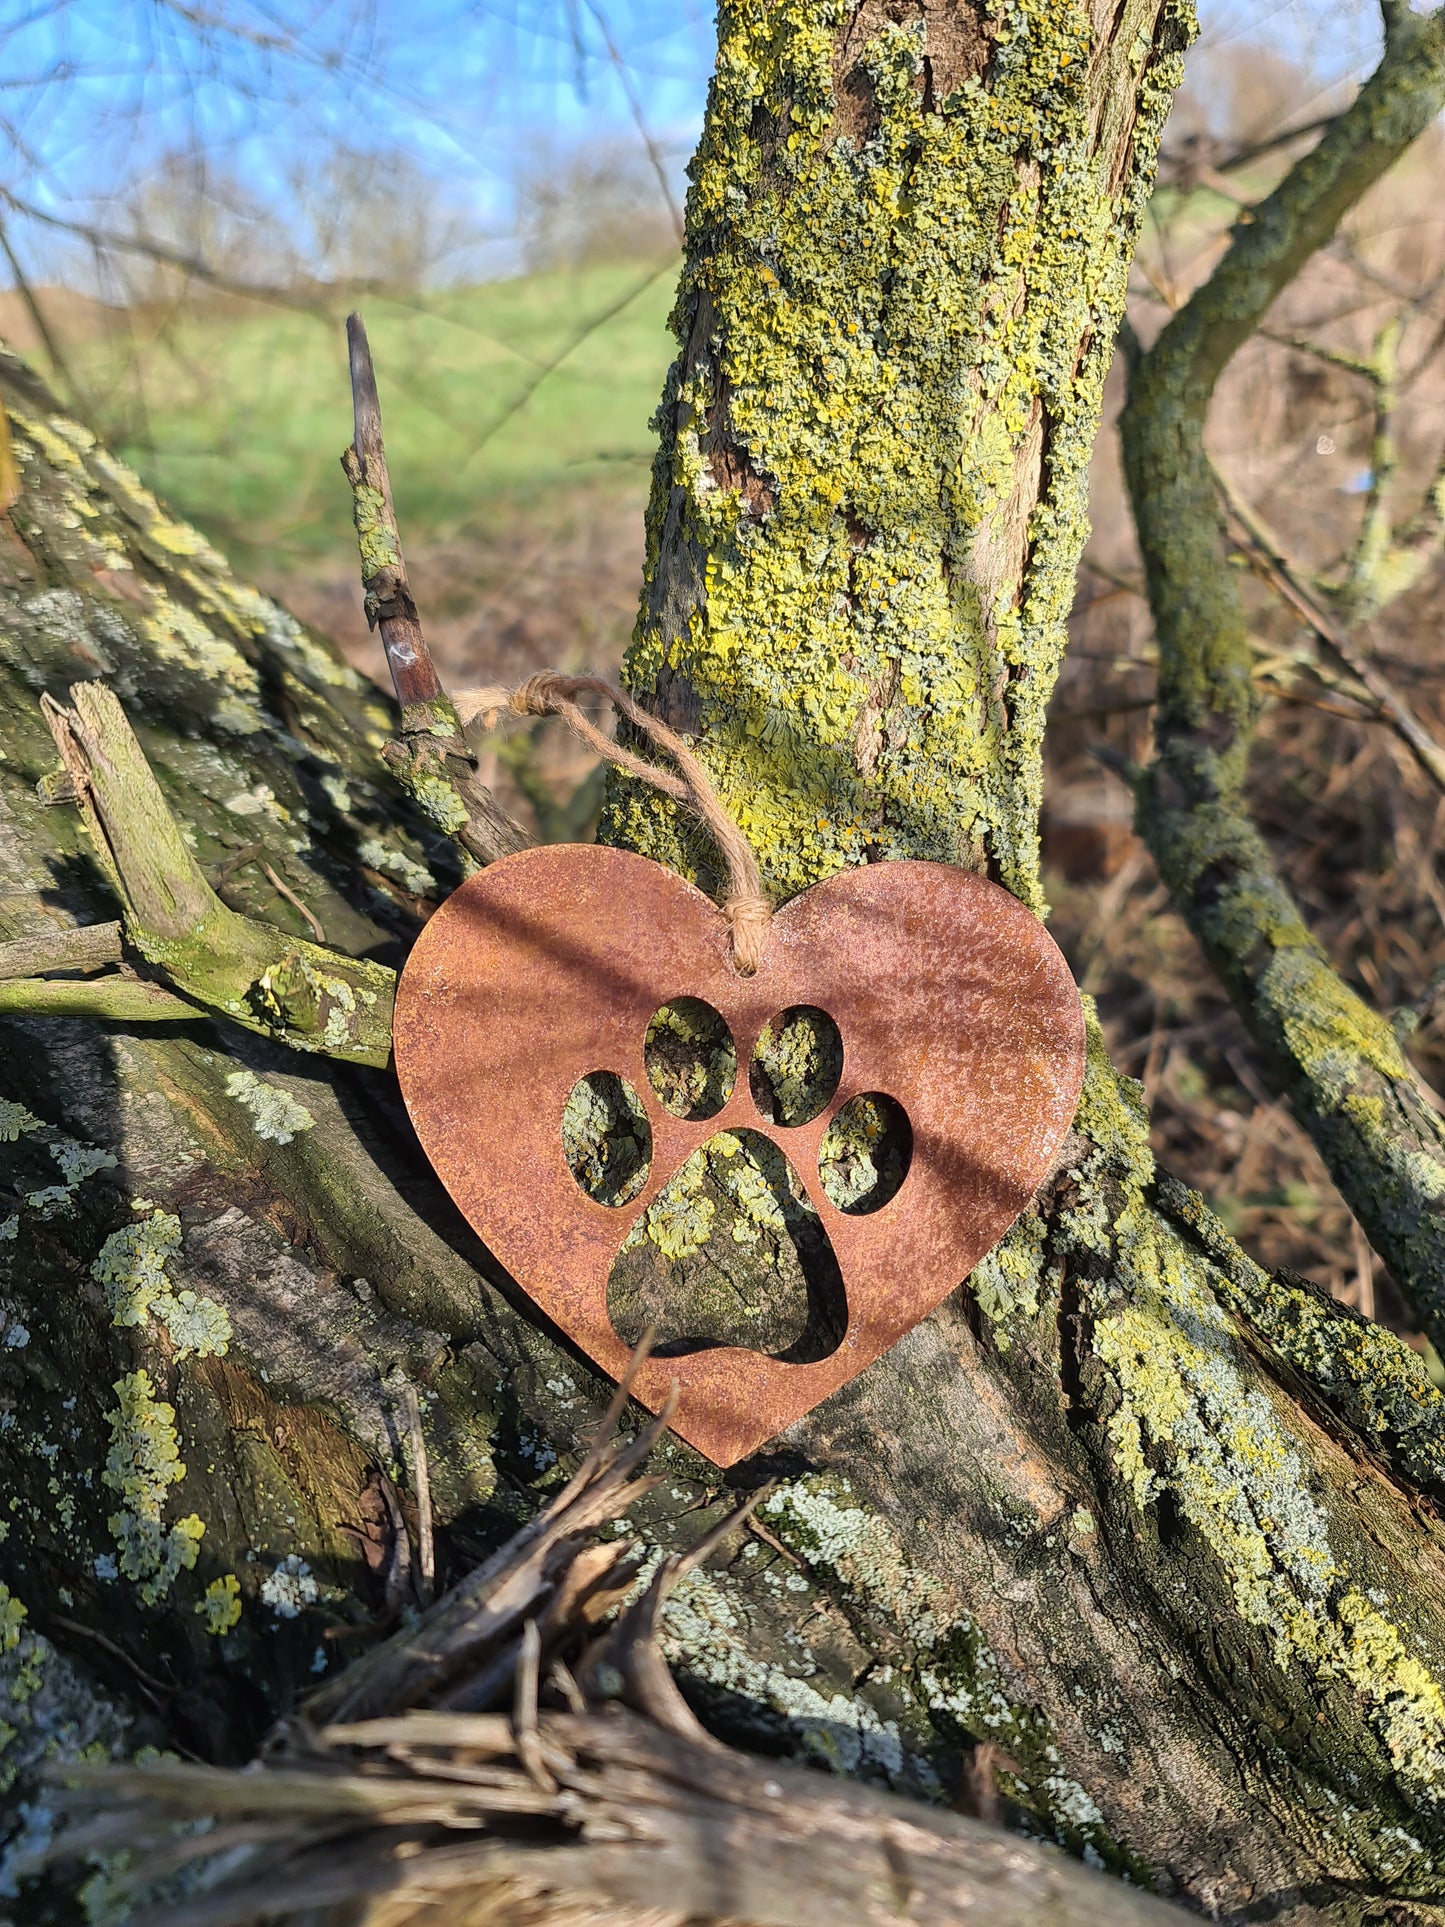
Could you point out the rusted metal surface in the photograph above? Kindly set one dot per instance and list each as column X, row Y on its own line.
column 950, row 997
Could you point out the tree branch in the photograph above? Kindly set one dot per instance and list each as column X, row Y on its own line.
column 113, row 1000
column 1337, row 1060
column 90, row 947
column 311, row 998
column 432, row 760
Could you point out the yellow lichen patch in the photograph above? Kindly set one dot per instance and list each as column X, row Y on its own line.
column 1185, row 1419
column 143, row 1463
column 1327, row 1026
column 55, row 447
column 1372, row 1656
column 12, row 1618
column 176, row 538
column 375, row 535
column 178, row 635
column 880, row 328
column 439, row 799
column 220, row 1604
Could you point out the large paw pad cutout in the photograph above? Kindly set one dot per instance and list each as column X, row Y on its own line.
column 587, row 1071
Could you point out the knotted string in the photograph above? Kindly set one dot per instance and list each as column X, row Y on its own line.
column 745, row 906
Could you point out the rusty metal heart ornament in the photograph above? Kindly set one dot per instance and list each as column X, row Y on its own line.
column 951, row 1000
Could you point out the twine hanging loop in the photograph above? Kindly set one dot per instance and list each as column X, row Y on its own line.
column 745, row 905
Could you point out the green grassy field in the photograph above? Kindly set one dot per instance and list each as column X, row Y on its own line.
column 496, row 398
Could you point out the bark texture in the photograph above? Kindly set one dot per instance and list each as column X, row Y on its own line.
column 1129, row 1530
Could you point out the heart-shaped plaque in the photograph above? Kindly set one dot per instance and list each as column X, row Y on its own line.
column 951, row 1000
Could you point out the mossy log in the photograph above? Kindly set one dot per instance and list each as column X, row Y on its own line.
column 1130, row 1541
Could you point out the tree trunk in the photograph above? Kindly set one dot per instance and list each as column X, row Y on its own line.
column 1129, row 1534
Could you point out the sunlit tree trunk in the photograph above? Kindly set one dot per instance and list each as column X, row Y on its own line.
column 1130, row 1537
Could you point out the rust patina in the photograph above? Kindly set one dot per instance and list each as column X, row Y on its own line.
column 950, row 997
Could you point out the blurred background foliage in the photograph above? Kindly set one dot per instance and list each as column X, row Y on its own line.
column 191, row 199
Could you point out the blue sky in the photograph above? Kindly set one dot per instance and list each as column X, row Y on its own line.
column 92, row 91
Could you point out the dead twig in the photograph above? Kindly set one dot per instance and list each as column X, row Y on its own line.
column 313, row 922
column 432, row 759
column 1275, row 569
column 421, row 1489
column 91, row 946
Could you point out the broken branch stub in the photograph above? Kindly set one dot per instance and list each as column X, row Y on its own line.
column 431, row 761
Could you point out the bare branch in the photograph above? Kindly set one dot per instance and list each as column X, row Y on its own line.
column 112, row 1000
column 432, row 760
column 1265, row 556
column 90, row 947
column 1338, row 1061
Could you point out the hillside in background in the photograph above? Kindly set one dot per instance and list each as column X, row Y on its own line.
column 517, row 428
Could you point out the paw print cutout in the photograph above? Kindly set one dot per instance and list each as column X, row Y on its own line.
column 902, row 1067
column 763, row 1273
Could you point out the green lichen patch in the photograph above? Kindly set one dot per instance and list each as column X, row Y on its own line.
column 305, row 997
column 939, row 1663
column 274, row 1113
column 143, row 1463
column 79, row 1161
column 440, row 802
column 15, row 1121
column 131, row 1267
column 1367, row 1376
column 375, row 532
column 395, row 862
column 1007, row 1280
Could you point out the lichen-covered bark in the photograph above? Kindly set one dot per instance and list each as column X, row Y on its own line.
column 1156, row 1528
column 1338, row 1061
column 908, row 236
column 908, row 239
